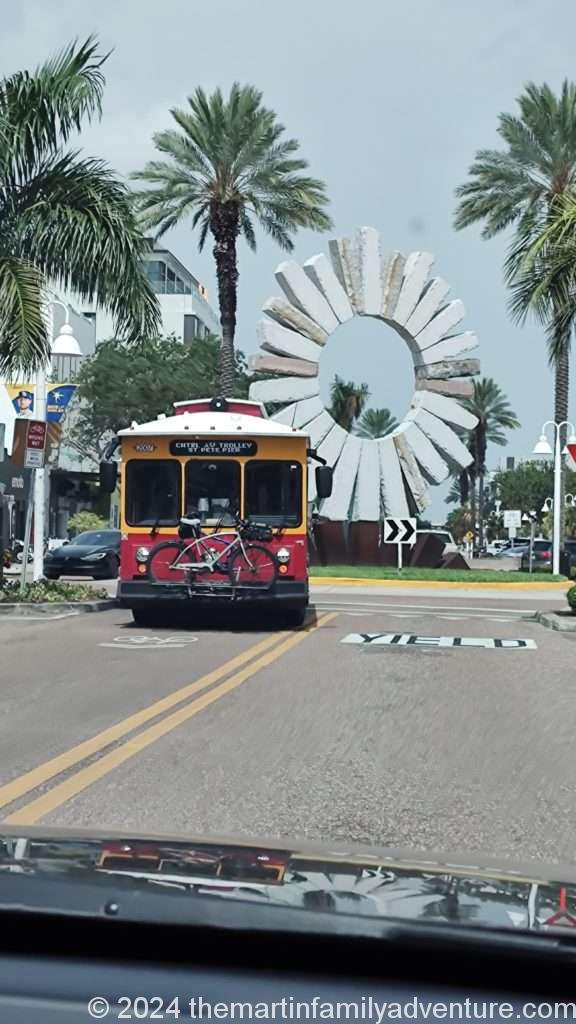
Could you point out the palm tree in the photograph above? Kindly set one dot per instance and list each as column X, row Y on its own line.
column 459, row 492
column 525, row 186
column 376, row 423
column 494, row 415
column 541, row 271
column 347, row 401
column 226, row 168
column 64, row 220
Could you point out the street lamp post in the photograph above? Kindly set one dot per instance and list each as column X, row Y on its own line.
column 543, row 447
column 64, row 345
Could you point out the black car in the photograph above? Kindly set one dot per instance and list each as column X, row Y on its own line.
column 95, row 553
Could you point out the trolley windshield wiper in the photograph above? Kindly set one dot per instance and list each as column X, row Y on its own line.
column 155, row 525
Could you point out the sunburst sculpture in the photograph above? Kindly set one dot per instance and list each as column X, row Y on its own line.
column 388, row 476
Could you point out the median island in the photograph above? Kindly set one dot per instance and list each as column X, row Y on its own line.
column 381, row 572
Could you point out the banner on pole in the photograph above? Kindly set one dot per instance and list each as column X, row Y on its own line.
column 58, row 397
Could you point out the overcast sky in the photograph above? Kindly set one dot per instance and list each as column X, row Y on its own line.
column 389, row 101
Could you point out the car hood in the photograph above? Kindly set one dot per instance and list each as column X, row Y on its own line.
column 370, row 882
column 79, row 550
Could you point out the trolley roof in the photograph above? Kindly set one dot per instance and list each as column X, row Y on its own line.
column 211, row 424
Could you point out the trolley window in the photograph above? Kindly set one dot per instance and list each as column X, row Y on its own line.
column 153, row 492
column 274, row 492
column 213, row 489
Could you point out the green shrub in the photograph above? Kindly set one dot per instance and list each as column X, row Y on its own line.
column 83, row 521
column 571, row 598
column 48, row 590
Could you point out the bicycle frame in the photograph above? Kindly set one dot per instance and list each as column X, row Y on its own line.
column 203, row 543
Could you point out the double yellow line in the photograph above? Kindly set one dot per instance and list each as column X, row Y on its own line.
column 254, row 658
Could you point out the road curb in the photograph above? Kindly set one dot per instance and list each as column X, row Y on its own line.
column 561, row 621
column 55, row 607
column 357, row 581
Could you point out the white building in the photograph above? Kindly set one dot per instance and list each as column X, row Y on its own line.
column 186, row 312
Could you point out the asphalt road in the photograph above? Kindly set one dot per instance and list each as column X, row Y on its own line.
column 234, row 729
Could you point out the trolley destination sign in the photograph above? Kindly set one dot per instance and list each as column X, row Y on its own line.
column 215, row 446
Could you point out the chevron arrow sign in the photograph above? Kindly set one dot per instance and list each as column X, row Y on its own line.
column 399, row 531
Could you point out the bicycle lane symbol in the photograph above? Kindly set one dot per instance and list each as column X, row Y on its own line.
column 150, row 643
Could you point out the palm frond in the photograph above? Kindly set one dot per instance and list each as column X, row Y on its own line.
column 540, row 270
column 376, row 423
column 531, row 186
column 40, row 110
column 231, row 150
column 76, row 223
column 23, row 339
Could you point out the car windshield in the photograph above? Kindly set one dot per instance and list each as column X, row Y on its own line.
column 96, row 537
column 288, row 546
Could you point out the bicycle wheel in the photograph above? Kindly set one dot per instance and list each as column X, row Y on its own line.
column 254, row 567
column 161, row 564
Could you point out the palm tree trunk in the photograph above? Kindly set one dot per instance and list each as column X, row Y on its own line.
column 224, row 225
column 473, row 506
column 481, row 508
column 480, row 432
column 561, row 386
column 464, row 486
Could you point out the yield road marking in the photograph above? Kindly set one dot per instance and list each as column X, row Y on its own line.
column 44, row 772
column 63, row 792
column 150, row 643
column 413, row 640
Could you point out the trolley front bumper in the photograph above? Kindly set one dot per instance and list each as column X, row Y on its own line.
column 145, row 594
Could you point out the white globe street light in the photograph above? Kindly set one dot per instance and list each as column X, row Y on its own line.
column 64, row 345
column 543, row 447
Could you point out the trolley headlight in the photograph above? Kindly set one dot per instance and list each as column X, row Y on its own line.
column 142, row 555
column 283, row 555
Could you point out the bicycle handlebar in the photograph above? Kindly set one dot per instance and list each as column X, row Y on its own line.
column 242, row 525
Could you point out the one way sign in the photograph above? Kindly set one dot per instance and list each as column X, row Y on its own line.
column 399, row 531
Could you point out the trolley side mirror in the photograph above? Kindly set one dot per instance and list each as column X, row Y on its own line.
column 324, row 478
column 108, row 476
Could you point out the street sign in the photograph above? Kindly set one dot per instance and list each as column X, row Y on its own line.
column 35, row 444
column 512, row 517
column 572, row 449
column 399, row 531
column 29, row 443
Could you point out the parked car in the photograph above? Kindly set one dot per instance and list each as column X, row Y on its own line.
column 496, row 547
column 542, row 555
column 95, row 553
column 516, row 547
column 445, row 536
